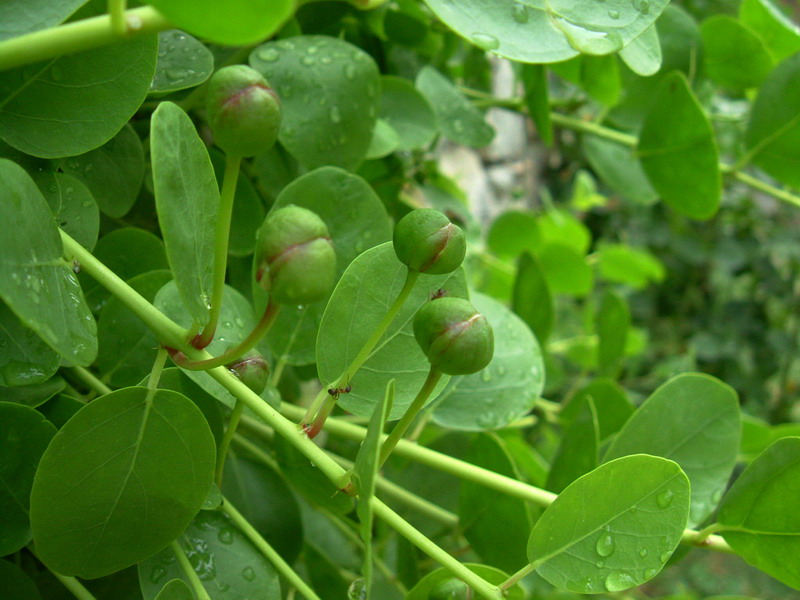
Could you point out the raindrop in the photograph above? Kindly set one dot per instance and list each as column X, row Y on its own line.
column 599, row 564
column 616, row 582
column 248, row 573
column 157, row 574
column 643, row 552
column 350, row 72
column 309, row 61
column 312, row 49
column 357, row 590
column 520, row 13
column 268, row 54
column 225, row 536
column 643, row 6
column 175, row 74
column 88, row 168
column 326, row 60
column 486, row 376
column 665, row 556
column 614, row 14
column 650, row 573
column 485, row 41
column 716, row 496
column 664, row 499
column 458, row 125
column 333, row 113
column 605, row 544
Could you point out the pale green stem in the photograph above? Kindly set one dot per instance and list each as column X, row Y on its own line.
column 74, row 586
column 277, row 372
column 90, row 380
column 593, row 128
column 411, row 413
column 767, row 188
column 519, row 575
column 78, row 36
column 268, row 551
column 155, row 373
column 221, row 237
column 230, row 430
column 367, row 348
column 116, row 10
column 197, row 585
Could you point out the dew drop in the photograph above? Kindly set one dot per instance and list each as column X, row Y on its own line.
column 268, row 54
column 458, row 125
column 486, row 376
column 643, row 6
column 650, row 573
column 485, row 41
column 664, row 499
column 520, row 13
column 614, row 14
column 225, row 536
column 664, row 556
column 88, row 168
column 599, row 564
column 326, row 60
column 605, row 545
column 248, row 573
column 358, row 590
column 617, row 581
column 157, row 574
column 350, row 72
column 643, row 552
column 175, row 74
column 308, row 61
column 334, row 114
column 716, row 496
column 312, row 49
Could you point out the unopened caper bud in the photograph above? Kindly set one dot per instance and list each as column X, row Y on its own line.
column 252, row 370
column 243, row 111
column 456, row 338
column 297, row 262
column 426, row 241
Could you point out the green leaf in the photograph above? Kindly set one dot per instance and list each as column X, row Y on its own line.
column 428, row 584
column 512, row 233
column 532, row 299
column 236, row 23
column 35, row 281
column 77, row 102
column 108, row 462
column 356, row 219
column 565, row 271
column 619, row 168
column 113, row 172
column 183, row 62
column 612, row 405
column 635, row 267
column 600, row 78
column 25, row 16
column 507, row 388
column 16, row 584
column 678, row 150
column 548, row 32
column 128, row 252
column 24, row 357
column 534, row 78
column 175, row 589
column 187, row 201
column 236, row 320
column 612, row 323
column 408, row 112
column 694, row 420
column 329, row 111
column 365, row 473
column 72, row 205
column 60, row 409
column 385, row 140
column 225, row 561
column 578, row 451
column 26, row 434
column 759, row 513
column 365, row 292
column 779, row 33
column 735, row 57
column 459, row 120
column 127, row 346
column 620, row 535
column 773, row 134
column 35, row 394
column 487, row 516
column 560, row 226
column 643, row 55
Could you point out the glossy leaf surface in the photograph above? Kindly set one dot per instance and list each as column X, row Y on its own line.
column 407, row 112
column 532, row 299
column 24, row 357
column 735, row 56
column 38, row 14
column 183, row 62
column 424, row 587
column 577, row 453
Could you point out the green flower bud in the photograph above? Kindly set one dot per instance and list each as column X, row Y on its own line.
column 426, row 241
column 252, row 370
column 243, row 111
column 455, row 337
column 297, row 263
column 450, row 589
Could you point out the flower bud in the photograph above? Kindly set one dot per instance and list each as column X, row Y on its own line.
column 455, row 337
column 297, row 263
column 426, row 241
column 243, row 111
column 450, row 589
column 252, row 370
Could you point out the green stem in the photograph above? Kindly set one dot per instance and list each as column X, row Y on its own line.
column 277, row 372
column 268, row 551
column 86, row 377
column 197, row 585
column 74, row 586
column 477, row 583
column 411, row 413
column 593, row 128
column 221, row 237
column 116, row 10
column 767, row 188
column 230, row 430
column 367, row 348
column 260, row 330
column 78, row 36
column 519, row 575
column 155, row 372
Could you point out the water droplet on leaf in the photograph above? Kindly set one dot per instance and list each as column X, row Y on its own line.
column 248, row 573
column 605, row 545
column 664, row 499
column 268, row 54
column 618, row 581
column 485, row 41
column 520, row 13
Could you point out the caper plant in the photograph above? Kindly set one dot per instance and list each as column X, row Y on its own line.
column 254, row 343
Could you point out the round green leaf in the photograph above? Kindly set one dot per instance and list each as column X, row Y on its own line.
column 679, row 152
column 187, row 202
column 694, row 420
column 35, row 281
column 613, row 406
column 24, row 16
column 73, row 207
column 560, row 226
column 361, row 298
column 176, row 589
column 407, row 111
column 77, row 102
column 26, row 434
column 183, row 62
column 643, row 55
column 635, row 267
column 619, row 168
column 329, row 91
column 773, row 134
column 60, row 409
column 759, row 513
column 24, row 357
column 35, row 394
column 565, row 271
column 513, row 232
column 424, row 587
column 779, row 32
column 619, row 534
column 507, row 388
column 532, row 299
column 16, row 584
column 384, row 140
column 547, row 32
column 113, row 172
column 105, row 496
column 577, row 453
column 735, row 57
column 225, row 561
column 235, row 23
column 459, row 120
